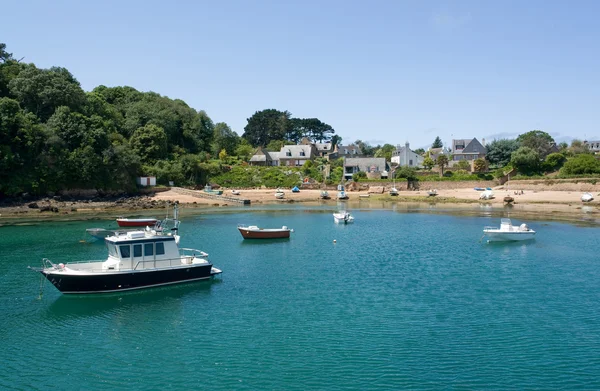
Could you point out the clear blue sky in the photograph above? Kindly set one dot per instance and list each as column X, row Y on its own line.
column 380, row 71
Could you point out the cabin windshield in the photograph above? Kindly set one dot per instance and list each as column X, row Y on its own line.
column 112, row 251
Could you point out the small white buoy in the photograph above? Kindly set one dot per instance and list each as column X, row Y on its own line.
column 334, row 241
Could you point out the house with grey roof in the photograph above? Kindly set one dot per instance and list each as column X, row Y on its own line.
column 374, row 167
column 593, row 146
column 345, row 151
column 467, row 149
column 296, row 155
column 264, row 158
column 403, row 156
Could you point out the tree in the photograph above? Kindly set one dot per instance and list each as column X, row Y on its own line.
column 41, row 91
column 311, row 128
column 224, row 139
column 537, row 140
column 419, row 151
column 336, row 140
column 150, row 142
column 385, row 152
column 437, row 143
column 366, row 148
column 577, row 147
column 526, row 160
column 499, row 151
column 223, row 154
column 4, row 55
column 463, row 165
column 244, row 150
column 480, row 165
column 442, row 161
column 267, row 125
column 275, row 145
column 581, row 164
column 553, row 162
column 428, row 163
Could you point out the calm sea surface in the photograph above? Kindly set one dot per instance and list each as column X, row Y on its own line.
column 401, row 301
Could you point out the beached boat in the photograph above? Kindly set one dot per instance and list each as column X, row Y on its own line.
column 343, row 217
column 341, row 195
column 587, row 197
column 254, row 232
column 508, row 232
column 393, row 191
column 324, row 195
column 432, row 193
column 486, row 195
column 235, row 192
column 136, row 260
column 208, row 189
column 125, row 222
column 279, row 194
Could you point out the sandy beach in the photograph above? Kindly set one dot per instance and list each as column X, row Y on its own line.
column 462, row 195
column 535, row 202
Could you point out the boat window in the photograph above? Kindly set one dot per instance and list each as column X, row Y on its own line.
column 137, row 250
column 111, row 250
column 125, row 251
column 148, row 249
column 160, row 248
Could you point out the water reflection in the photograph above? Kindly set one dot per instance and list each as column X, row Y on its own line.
column 131, row 303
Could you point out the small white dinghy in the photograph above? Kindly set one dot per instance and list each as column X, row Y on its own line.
column 587, row 197
column 487, row 195
column 343, row 217
column 508, row 232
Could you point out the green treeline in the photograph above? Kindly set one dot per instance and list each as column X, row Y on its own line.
column 54, row 135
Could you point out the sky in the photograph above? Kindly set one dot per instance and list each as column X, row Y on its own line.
column 379, row 71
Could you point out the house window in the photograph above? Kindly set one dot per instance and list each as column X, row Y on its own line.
column 302, row 153
column 345, row 151
column 288, row 153
column 410, row 162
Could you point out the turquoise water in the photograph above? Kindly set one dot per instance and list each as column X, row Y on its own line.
column 400, row 301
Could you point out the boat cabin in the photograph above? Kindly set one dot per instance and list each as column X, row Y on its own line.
column 136, row 250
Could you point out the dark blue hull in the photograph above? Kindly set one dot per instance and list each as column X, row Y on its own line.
column 124, row 281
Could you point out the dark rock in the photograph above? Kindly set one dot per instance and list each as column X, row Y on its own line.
column 33, row 205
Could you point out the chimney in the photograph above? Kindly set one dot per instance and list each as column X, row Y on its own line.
column 483, row 142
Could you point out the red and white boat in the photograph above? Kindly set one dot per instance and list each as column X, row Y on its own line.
column 124, row 222
column 254, row 232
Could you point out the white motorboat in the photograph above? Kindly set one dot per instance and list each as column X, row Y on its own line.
column 393, row 191
column 136, row 260
column 432, row 193
column 508, row 232
column 279, row 194
column 343, row 217
column 587, row 197
column 235, row 192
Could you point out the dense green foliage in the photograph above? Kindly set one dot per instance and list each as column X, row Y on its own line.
column 437, row 143
column 272, row 125
column 499, row 151
column 581, row 164
column 539, row 141
column 526, row 160
column 54, row 135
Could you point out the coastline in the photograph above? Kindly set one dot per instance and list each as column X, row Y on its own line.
column 534, row 204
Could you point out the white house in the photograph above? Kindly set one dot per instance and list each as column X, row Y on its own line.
column 405, row 157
